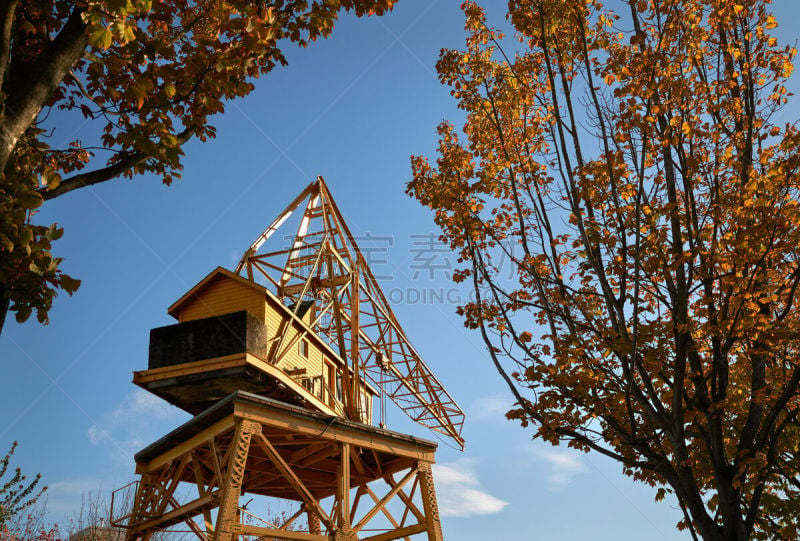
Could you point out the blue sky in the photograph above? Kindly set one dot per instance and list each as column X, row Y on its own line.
column 352, row 109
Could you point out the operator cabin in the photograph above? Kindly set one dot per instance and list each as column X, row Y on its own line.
column 234, row 334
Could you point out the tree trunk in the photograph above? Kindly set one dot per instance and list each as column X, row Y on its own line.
column 4, row 304
column 36, row 83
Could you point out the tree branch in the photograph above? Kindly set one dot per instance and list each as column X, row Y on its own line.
column 106, row 173
column 7, row 9
column 38, row 82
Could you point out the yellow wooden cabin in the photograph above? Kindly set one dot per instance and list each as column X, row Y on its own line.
column 234, row 334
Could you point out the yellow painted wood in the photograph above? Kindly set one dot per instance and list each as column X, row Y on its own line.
column 335, row 432
column 207, row 365
column 397, row 533
column 180, row 514
column 200, row 438
column 222, row 295
column 222, row 292
column 272, row 533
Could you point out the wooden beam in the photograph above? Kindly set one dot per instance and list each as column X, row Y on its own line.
column 385, row 511
column 357, row 462
column 433, row 526
column 214, row 454
column 272, row 533
column 281, row 376
column 172, row 483
column 288, row 522
column 231, row 486
column 383, row 501
column 199, row 479
column 317, row 282
column 295, row 481
column 179, row 514
column 339, row 433
column 343, row 487
column 206, row 365
column 354, row 508
column 282, row 217
column 221, row 426
column 396, row 534
column 407, row 499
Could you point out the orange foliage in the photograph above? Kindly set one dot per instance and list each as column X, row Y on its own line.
column 629, row 165
column 148, row 74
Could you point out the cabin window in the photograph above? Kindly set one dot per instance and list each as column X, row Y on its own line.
column 365, row 405
column 330, row 370
column 333, row 383
column 303, row 347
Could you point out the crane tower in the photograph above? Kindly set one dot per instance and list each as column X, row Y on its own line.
column 280, row 362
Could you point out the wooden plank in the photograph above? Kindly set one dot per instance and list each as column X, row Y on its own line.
column 408, row 499
column 272, row 533
column 324, row 282
column 385, row 511
column 212, row 448
column 180, row 514
column 142, row 377
column 396, row 534
column 339, row 433
column 354, row 508
column 357, row 462
column 201, row 488
column 170, row 484
column 217, row 274
column 198, row 439
column 282, row 377
column 383, row 501
column 343, row 486
column 231, row 485
column 290, row 476
column 433, row 526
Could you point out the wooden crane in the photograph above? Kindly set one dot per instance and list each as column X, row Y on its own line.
column 279, row 368
column 325, row 267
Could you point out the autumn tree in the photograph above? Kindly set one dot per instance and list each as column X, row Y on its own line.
column 624, row 200
column 148, row 75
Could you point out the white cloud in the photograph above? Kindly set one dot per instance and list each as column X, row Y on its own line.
column 564, row 464
column 134, row 424
column 489, row 407
column 459, row 491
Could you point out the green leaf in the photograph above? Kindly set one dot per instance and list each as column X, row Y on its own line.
column 117, row 6
column 101, row 37
column 128, row 34
column 69, row 284
column 30, row 200
column 51, row 179
column 54, row 232
column 26, row 237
